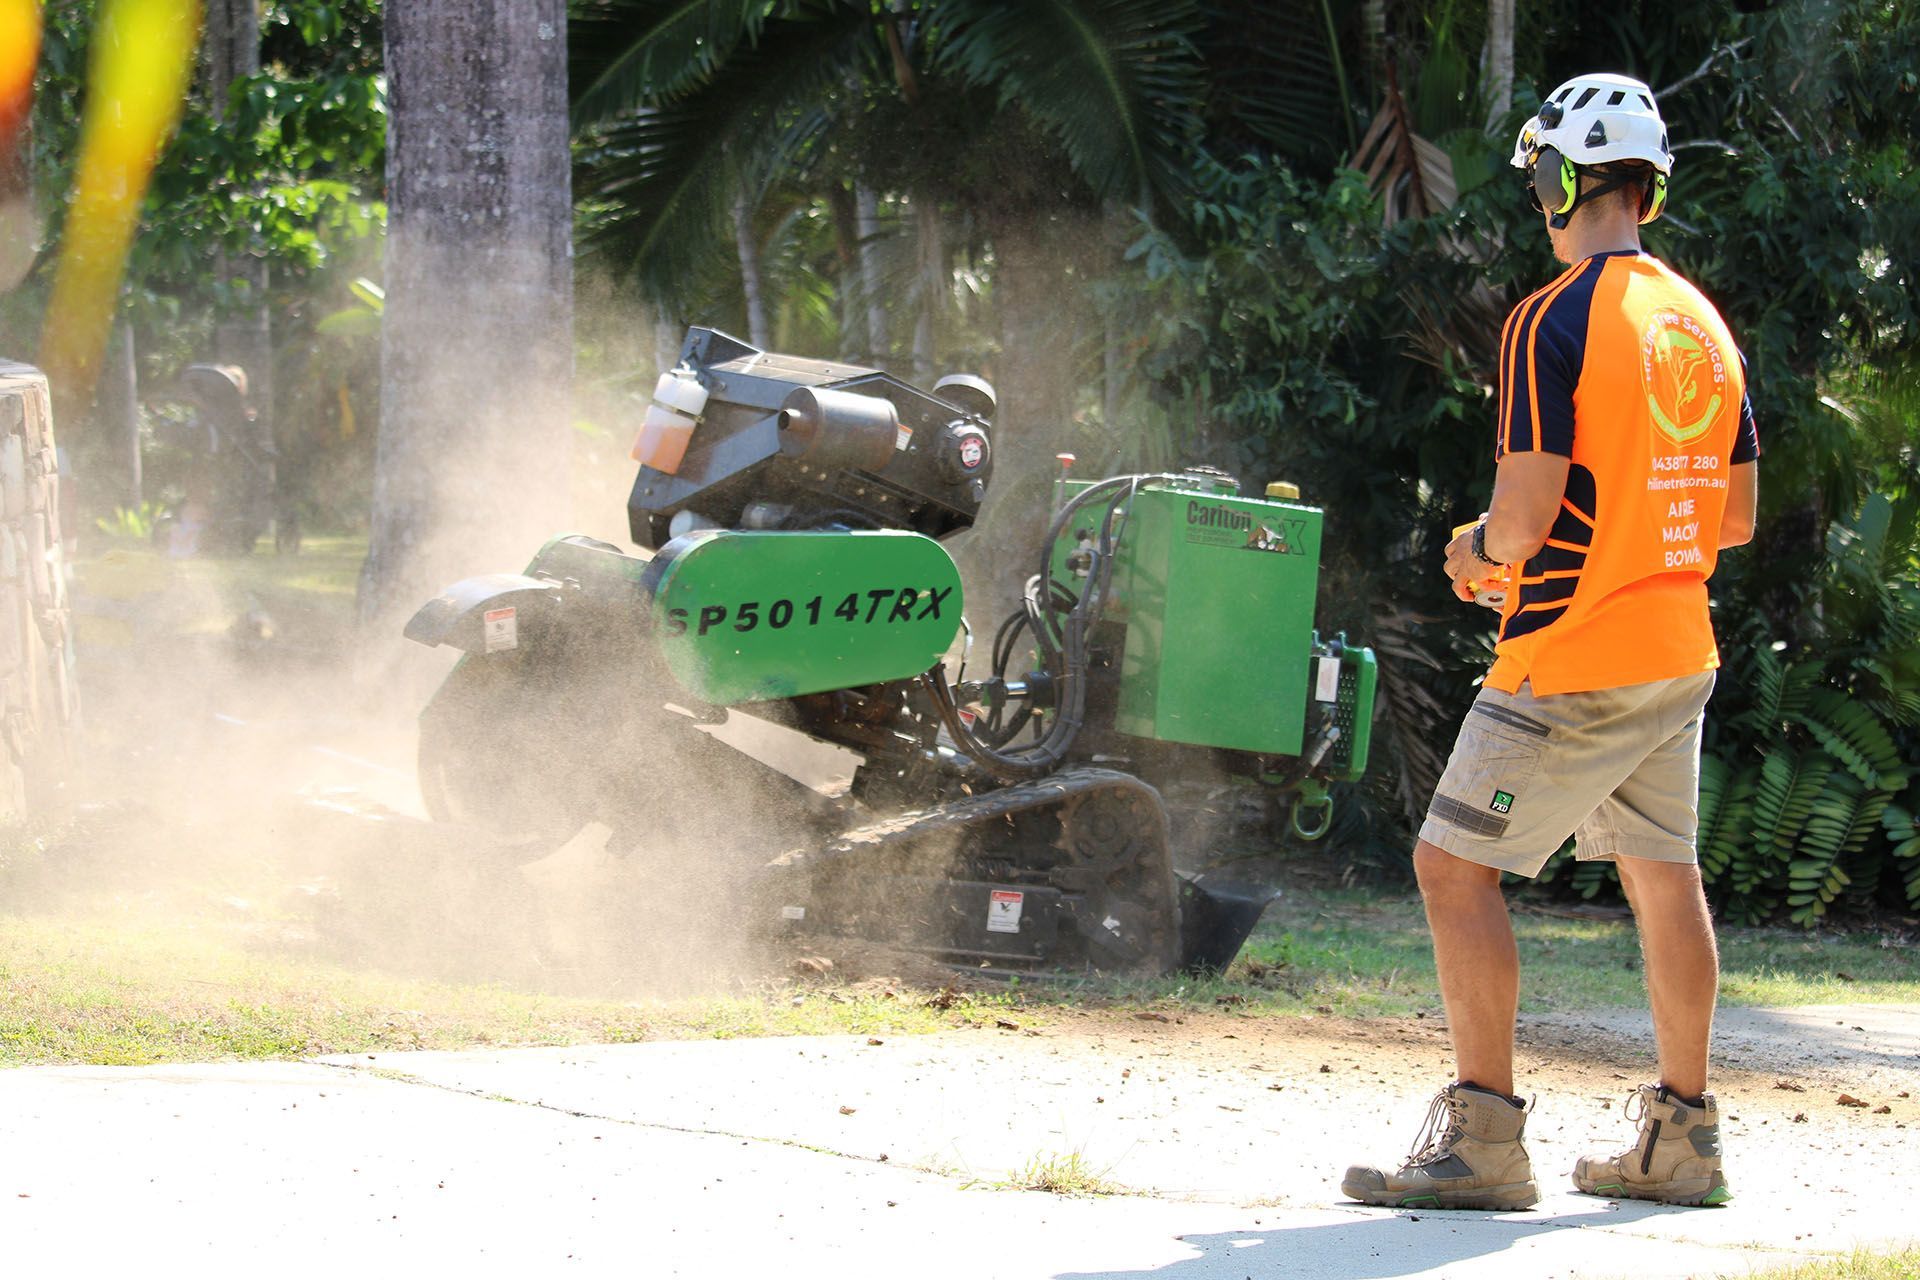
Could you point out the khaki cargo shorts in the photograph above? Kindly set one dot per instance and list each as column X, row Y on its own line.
column 1618, row 768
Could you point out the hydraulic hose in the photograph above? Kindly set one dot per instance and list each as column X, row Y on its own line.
column 1069, row 657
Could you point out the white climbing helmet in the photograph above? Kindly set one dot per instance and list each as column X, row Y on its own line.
column 1596, row 119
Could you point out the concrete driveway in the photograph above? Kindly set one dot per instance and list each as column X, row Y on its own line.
column 840, row 1156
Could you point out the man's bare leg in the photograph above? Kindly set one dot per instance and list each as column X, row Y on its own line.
column 1683, row 965
column 1479, row 965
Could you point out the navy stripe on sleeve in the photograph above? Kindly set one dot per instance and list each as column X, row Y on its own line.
column 1746, row 445
column 1546, row 351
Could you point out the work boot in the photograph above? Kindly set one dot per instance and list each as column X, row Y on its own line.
column 1468, row 1156
column 1676, row 1158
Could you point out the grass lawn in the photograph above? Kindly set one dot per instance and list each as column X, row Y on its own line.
column 140, row 982
column 125, row 975
column 1903, row 1264
column 1369, row 953
column 127, row 591
column 125, row 991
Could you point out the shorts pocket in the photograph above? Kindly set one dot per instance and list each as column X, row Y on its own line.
column 1484, row 789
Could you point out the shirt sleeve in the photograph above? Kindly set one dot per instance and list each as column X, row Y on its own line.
column 1541, row 352
column 1746, row 441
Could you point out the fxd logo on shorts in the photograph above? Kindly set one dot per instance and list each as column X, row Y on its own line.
column 1502, row 802
column 1683, row 374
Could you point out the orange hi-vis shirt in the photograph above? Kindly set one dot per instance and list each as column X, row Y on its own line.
column 1622, row 367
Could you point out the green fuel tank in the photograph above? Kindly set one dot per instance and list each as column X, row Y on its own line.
column 1214, row 595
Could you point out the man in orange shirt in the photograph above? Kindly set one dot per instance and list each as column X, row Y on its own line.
column 1626, row 459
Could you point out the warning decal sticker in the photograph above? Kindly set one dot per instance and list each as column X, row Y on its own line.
column 1003, row 913
column 500, row 630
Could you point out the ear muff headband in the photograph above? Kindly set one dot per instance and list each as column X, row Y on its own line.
column 1556, row 188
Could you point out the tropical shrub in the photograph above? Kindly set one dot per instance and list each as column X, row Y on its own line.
column 1807, row 779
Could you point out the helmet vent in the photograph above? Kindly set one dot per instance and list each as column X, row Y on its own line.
column 1585, row 97
column 1597, row 136
column 1565, row 94
column 1646, row 102
column 1616, row 98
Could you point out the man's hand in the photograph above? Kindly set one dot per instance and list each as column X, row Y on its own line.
column 1462, row 565
column 1527, row 488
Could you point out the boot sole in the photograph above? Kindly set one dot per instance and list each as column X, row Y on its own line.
column 1512, row 1195
column 1695, row 1194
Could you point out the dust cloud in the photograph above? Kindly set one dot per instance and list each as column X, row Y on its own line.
column 250, row 772
column 254, row 774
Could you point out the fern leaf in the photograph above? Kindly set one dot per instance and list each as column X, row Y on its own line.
column 1784, row 795
column 1765, row 681
column 1589, row 878
column 1726, row 814
column 1836, row 830
column 1903, row 830
column 1850, row 732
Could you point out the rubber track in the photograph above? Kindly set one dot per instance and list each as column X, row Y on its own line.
column 1064, row 790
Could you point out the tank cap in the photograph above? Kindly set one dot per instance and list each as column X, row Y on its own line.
column 1285, row 490
column 968, row 394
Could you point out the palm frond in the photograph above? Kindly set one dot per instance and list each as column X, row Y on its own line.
column 1115, row 82
column 623, row 53
column 1277, row 77
column 657, row 187
column 1411, row 176
column 1415, row 719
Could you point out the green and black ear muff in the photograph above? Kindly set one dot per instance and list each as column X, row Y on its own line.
column 1556, row 184
column 1653, row 202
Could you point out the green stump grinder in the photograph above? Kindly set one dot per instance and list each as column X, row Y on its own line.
column 792, row 513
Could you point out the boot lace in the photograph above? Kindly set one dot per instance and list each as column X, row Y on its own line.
column 1435, row 1141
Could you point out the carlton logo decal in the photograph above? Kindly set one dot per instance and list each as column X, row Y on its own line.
column 1217, row 525
column 1684, row 375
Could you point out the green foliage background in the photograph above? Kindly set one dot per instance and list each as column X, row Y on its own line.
column 1293, row 336
column 1135, row 218
column 289, row 171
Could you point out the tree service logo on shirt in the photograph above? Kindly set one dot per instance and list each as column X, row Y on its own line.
column 1683, row 374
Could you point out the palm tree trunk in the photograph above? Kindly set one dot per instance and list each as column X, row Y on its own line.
column 470, row 473
column 1496, row 61
column 1036, row 378
column 866, row 203
column 846, row 275
column 128, row 377
column 749, row 253
column 244, row 336
column 932, row 254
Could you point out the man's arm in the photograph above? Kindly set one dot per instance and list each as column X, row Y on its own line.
column 1743, row 499
column 1527, row 488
